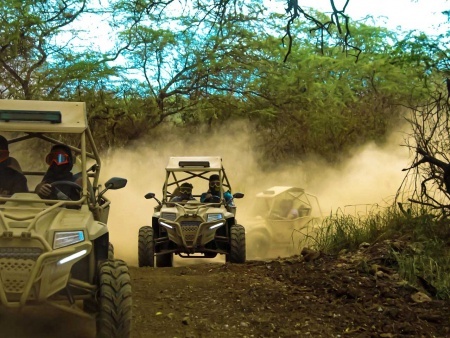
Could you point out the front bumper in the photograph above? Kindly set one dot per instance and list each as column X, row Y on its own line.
column 31, row 271
column 191, row 234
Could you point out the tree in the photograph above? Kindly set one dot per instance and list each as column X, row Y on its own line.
column 323, row 104
column 32, row 64
column 427, row 179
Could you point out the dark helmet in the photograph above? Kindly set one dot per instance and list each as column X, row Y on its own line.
column 4, row 151
column 3, row 143
column 214, row 177
column 187, row 185
column 214, row 182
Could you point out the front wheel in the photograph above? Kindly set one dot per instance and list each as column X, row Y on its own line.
column 237, row 252
column 146, row 247
column 114, row 300
column 110, row 251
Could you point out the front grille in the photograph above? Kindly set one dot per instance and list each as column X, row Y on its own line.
column 15, row 273
column 189, row 229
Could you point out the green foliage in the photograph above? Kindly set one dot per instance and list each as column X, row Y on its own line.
column 425, row 239
column 32, row 66
column 207, row 63
column 344, row 231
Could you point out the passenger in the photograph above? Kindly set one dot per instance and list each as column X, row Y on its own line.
column 60, row 161
column 213, row 193
column 185, row 193
column 11, row 178
column 304, row 211
column 286, row 210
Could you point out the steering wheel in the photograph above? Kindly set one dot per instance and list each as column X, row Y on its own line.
column 71, row 184
column 213, row 199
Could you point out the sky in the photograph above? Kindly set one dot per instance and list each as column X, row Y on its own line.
column 423, row 15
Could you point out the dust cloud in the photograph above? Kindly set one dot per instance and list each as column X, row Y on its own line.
column 371, row 175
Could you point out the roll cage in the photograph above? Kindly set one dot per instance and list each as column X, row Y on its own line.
column 193, row 169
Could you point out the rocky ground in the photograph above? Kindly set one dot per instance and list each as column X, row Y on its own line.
column 310, row 295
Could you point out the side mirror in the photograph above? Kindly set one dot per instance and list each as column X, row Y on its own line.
column 151, row 195
column 116, row 183
column 238, row 195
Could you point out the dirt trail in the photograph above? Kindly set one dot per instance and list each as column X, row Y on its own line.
column 302, row 296
column 44, row 322
column 314, row 295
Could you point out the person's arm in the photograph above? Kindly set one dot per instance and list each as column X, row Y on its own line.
column 20, row 184
column 293, row 214
column 228, row 198
column 205, row 196
column 43, row 189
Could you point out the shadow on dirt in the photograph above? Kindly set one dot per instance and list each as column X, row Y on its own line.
column 44, row 321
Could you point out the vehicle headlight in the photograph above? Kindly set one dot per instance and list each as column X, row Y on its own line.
column 215, row 226
column 66, row 238
column 213, row 217
column 169, row 215
column 166, row 225
column 72, row 257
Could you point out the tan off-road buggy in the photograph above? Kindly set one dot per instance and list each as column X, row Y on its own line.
column 57, row 251
column 192, row 228
column 271, row 233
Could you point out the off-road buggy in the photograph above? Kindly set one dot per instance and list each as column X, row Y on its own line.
column 57, row 251
column 192, row 228
column 271, row 233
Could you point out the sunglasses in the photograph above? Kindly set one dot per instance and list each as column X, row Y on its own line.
column 59, row 158
column 214, row 183
column 185, row 191
column 4, row 154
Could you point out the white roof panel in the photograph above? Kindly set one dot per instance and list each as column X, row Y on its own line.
column 73, row 116
column 276, row 190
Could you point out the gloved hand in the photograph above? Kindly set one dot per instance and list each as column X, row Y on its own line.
column 44, row 190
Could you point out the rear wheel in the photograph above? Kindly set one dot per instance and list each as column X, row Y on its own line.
column 114, row 300
column 237, row 244
column 165, row 260
column 146, row 247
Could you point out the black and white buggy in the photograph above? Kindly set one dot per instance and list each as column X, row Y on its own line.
column 192, row 229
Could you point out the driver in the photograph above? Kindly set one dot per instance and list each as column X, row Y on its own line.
column 213, row 194
column 60, row 161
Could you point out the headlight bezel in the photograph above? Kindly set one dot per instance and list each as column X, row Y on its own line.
column 62, row 239
column 170, row 216
column 214, row 217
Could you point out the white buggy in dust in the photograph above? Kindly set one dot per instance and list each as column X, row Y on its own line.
column 271, row 233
